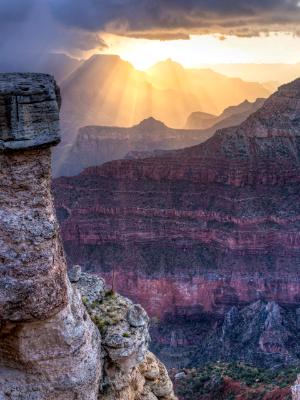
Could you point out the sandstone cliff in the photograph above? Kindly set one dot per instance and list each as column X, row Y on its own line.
column 195, row 232
column 49, row 346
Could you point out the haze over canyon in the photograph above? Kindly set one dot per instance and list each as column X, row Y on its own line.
column 149, row 200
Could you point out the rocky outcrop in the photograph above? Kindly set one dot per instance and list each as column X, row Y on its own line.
column 130, row 370
column 262, row 334
column 296, row 390
column 194, row 232
column 49, row 346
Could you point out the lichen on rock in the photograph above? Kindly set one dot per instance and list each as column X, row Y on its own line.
column 130, row 370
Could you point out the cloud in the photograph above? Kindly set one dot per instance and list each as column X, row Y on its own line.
column 76, row 26
column 164, row 18
column 15, row 10
column 29, row 26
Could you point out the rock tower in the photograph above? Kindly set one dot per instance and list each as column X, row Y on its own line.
column 49, row 347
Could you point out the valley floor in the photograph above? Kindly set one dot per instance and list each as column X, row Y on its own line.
column 238, row 381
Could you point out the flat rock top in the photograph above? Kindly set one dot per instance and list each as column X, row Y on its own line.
column 24, row 84
column 29, row 111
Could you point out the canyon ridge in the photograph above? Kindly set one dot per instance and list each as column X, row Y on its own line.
column 205, row 238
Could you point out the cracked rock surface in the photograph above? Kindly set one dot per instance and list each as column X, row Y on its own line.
column 130, row 371
column 49, row 347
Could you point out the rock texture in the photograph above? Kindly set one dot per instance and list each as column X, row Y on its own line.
column 49, row 346
column 48, row 349
column 194, row 232
column 131, row 372
column 29, row 111
column 296, row 390
column 263, row 334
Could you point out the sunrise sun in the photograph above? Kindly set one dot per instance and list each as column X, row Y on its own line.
column 205, row 50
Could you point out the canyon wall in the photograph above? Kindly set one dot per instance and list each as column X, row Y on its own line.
column 200, row 234
column 95, row 145
column 52, row 344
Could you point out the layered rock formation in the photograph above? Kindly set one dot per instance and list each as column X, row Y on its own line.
column 194, row 232
column 49, row 346
column 96, row 145
column 262, row 334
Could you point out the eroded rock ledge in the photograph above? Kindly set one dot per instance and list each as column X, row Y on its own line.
column 49, row 346
column 130, row 371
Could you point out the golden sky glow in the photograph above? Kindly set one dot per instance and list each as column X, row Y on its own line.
column 207, row 50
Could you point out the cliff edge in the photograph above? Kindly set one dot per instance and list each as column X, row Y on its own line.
column 50, row 346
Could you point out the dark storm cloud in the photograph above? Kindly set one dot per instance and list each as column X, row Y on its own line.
column 29, row 26
column 76, row 25
column 162, row 17
column 15, row 10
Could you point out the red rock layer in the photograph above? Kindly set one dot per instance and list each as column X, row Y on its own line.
column 203, row 228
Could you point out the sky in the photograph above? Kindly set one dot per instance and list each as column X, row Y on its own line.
column 207, row 50
column 192, row 32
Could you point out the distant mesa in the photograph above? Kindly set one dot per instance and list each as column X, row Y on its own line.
column 96, row 145
column 107, row 91
column 231, row 116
